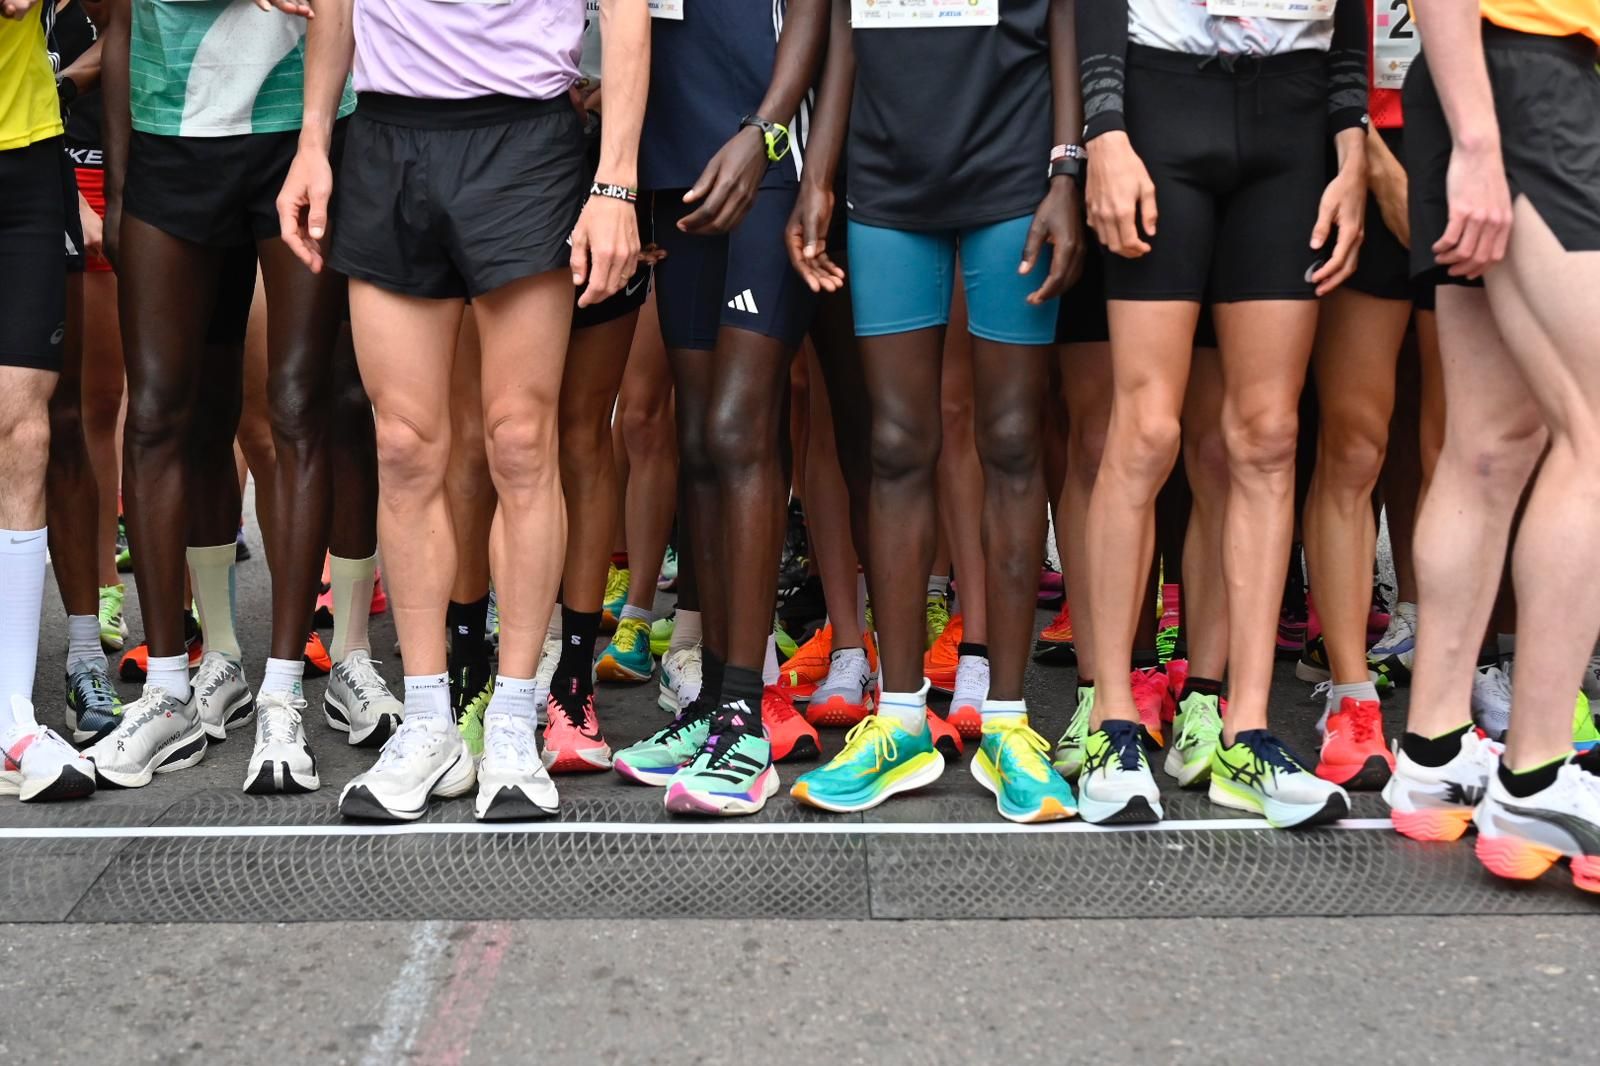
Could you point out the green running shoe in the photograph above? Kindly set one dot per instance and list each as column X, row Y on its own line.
column 1116, row 786
column 113, row 626
column 786, row 644
column 1012, row 762
column 1258, row 773
column 880, row 759
column 731, row 774
column 1198, row 726
column 658, row 757
column 661, row 631
column 1584, row 734
column 1167, row 644
column 616, row 598
column 124, row 553
column 669, row 570
column 627, row 657
column 938, row 615
column 1070, row 748
column 471, row 724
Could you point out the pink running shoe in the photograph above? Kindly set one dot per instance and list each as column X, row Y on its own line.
column 573, row 742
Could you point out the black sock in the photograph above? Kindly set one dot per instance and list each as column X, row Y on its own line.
column 1489, row 655
column 466, row 623
column 1200, row 686
column 740, row 705
column 578, row 632
column 1524, row 783
column 712, row 669
column 964, row 649
column 1435, row 751
column 1083, row 683
column 1144, row 660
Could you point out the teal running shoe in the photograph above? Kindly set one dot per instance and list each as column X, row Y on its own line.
column 1198, row 726
column 879, row 760
column 627, row 657
column 1013, row 763
column 658, row 757
column 732, row 774
column 661, row 631
column 669, row 570
column 1070, row 748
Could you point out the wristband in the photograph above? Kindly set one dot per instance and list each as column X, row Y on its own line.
column 775, row 134
column 625, row 193
column 1066, row 160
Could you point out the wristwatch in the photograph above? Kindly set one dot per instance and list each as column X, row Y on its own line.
column 775, row 134
column 1066, row 160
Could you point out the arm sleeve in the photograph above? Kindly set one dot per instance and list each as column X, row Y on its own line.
column 1102, row 59
column 1347, row 67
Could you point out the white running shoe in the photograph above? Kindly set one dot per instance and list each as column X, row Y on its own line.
column 513, row 785
column 36, row 764
column 1491, row 701
column 358, row 702
column 1436, row 802
column 424, row 758
column 1591, row 679
column 222, row 695
column 1520, row 838
column 1116, row 786
column 680, row 678
column 549, row 659
column 282, row 760
column 157, row 734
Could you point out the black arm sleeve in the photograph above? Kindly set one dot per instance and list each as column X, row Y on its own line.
column 1102, row 58
column 1347, row 67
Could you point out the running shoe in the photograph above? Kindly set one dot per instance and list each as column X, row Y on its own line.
column 491, row 622
column 803, row 604
column 380, row 598
column 627, row 657
column 880, row 759
column 282, row 759
column 241, row 548
column 942, row 661
column 124, row 553
column 1313, row 663
column 1054, row 644
column 93, row 705
column 318, row 662
column 134, row 666
column 937, row 615
column 1520, row 838
column 469, row 721
column 222, row 695
column 1198, row 727
column 1116, row 786
column 808, row 667
column 1293, row 629
column 661, row 631
column 156, row 735
column 1069, row 755
column 1378, row 616
column 1257, row 773
column 1050, row 585
column 1152, row 695
column 1177, row 671
column 322, row 613
column 1491, row 701
column 573, row 742
column 616, row 596
column 1591, row 679
column 425, row 757
column 680, row 678
column 37, row 765
column 785, row 644
column 1171, row 606
column 655, row 759
column 846, row 696
column 1013, row 763
column 1584, row 734
column 946, row 737
column 1394, row 652
column 513, row 784
column 469, row 682
column 549, row 659
column 792, row 737
column 731, row 774
column 1435, row 803
column 966, row 700
column 1168, row 639
column 1353, row 751
column 358, row 702
column 669, row 570
column 113, row 626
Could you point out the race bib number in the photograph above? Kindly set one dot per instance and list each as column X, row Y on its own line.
column 900, row 14
column 659, row 9
column 1394, row 43
column 1301, row 10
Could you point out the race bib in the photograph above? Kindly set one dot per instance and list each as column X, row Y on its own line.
column 899, row 14
column 1394, row 43
column 1301, row 10
column 481, row 3
column 659, row 9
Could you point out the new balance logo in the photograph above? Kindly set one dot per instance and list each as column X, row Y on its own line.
column 745, row 301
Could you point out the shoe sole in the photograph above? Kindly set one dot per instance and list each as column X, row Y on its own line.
column 231, row 718
column 1370, row 776
column 577, row 760
column 277, row 777
column 1516, row 859
column 667, row 698
column 1302, row 817
column 338, row 719
column 1432, row 826
column 1050, row 811
column 179, row 753
column 69, row 783
column 609, row 669
column 507, row 801
column 682, row 800
column 650, row 778
column 1135, row 810
column 836, row 712
column 359, row 801
column 1312, row 674
column 1186, row 775
column 921, row 777
column 1047, row 653
column 804, row 749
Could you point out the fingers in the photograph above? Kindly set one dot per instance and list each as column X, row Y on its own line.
column 1324, row 226
column 1147, row 208
column 1341, row 263
column 580, row 256
column 289, row 203
column 1032, row 245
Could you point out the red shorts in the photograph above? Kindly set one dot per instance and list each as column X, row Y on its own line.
column 92, row 184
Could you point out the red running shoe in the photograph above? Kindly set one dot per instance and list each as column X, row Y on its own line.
column 807, row 668
column 1152, row 694
column 940, row 663
column 946, row 737
column 791, row 736
column 1353, row 751
column 318, row 662
column 380, row 599
column 1059, row 630
column 573, row 742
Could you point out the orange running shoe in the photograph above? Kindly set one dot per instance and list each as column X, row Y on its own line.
column 1353, row 752
column 940, row 663
column 135, row 662
column 380, row 598
column 807, row 668
column 946, row 737
column 1059, row 630
column 791, row 736
column 1152, row 694
column 318, row 661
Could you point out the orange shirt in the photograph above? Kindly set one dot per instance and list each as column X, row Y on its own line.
column 1548, row 18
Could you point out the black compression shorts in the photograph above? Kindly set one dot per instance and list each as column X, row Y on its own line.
column 33, row 218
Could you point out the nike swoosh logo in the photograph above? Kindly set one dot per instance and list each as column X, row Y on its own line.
column 26, row 540
column 642, row 276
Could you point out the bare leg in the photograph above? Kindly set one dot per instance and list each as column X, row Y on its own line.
column 649, row 440
column 1205, row 459
column 961, row 492
column 103, row 378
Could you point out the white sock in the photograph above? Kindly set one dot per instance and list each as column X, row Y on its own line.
column 685, row 631
column 630, row 611
column 514, row 696
column 908, row 710
column 22, row 564
column 83, row 642
column 939, row 586
column 972, row 680
column 351, row 581
column 993, row 709
column 428, row 697
column 861, row 601
column 285, row 676
column 211, row 578
column 170, row 672
column 769, row 666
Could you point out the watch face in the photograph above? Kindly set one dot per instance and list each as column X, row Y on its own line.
column 777, row 142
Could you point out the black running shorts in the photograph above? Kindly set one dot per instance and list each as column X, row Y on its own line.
column 33, row 218
column 1383, row 268
column 1083, row 318
column 1237, row 150
column 1547, row 98
column 456, row 198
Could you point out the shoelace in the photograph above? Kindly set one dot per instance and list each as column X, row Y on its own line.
column 1198, row 729
column 1400, row 628
column 686, row 666
column 142, row 709
column 616, row 584
column 572, row 703
column 363, row 675
column 280, row 718
column 1366, row 721
column 870, row 730
column 95, row 690
column 1017, row 734
column 1127, row 745
column 973, row 682
column 413, row 735
column 1077, row 725
column 628, row 634
column 508, row 737
column 775, row 707
column 1268, row 752
column 213, row 672
column 689, row 717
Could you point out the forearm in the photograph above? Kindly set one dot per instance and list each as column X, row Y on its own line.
column 1347, row 67
column 330, row 51
column 1102, row 39
column 1350, row 147
column 1454, row 54
column 800, row 46
column 830, row 117
column 625, row 73
column 116, row 120
column 1065, row 89
column 85, row 70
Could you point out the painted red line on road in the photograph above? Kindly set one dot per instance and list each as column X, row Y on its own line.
column 447, row 1034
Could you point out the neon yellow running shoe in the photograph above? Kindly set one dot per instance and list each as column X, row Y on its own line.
column 938, row 616
column 113, row 626
column 471, row 725
column 1584, row 734
column 617, row 582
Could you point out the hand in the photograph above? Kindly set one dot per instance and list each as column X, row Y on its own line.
column 303, row 206
column 93, row 228
column 1344, row 205
column 111, row 232
column 806, row 236
column 1059, row 222
column 605, row 248
column 16, row 9
column 727, row 187
column 1480, row 212
column 1121, row 197
column 1387, row 181
column 288, row 7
